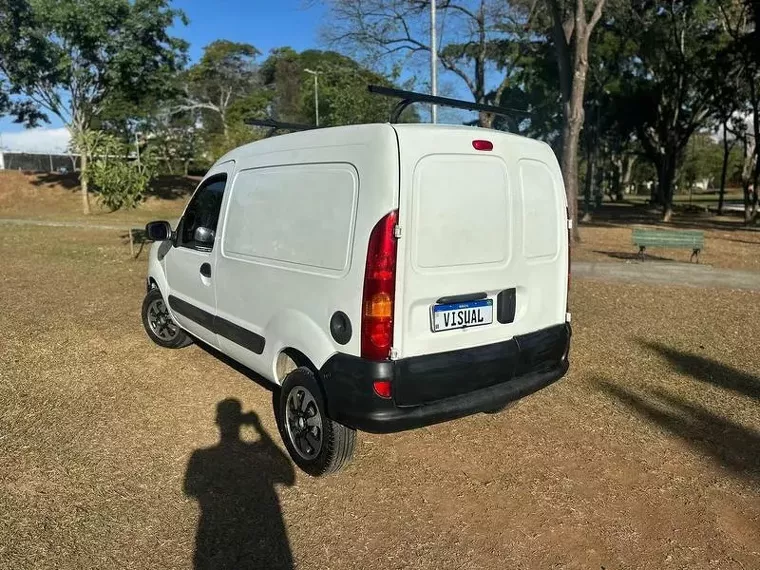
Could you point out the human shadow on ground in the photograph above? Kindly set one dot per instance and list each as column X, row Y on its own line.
column 708, row 370
column 732, row 445
column 241, row 526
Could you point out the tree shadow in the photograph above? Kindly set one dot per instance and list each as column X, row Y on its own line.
column 633, row 256
column 165, row 186
column 172, row 187
column 138, row 238
column 69, row 181
column 732, row 445
column 708, row 370
column 625, row 214
column 241, row 525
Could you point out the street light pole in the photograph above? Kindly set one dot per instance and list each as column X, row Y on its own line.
column 433, row 61
column 316, row 93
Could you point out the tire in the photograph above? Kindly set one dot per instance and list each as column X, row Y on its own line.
column 494, row 411
column 299, row 409
column 159, row 324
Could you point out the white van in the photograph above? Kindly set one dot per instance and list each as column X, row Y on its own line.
column 382, row 277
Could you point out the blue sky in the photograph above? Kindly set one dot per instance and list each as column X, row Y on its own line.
column 263, row 23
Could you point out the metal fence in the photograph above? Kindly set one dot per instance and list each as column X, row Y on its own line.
column 38, row 162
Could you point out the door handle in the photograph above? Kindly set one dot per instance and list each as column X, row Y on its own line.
column 206, row 270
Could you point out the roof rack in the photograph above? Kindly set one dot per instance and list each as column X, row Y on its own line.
column 275, row 126
column 409, row 97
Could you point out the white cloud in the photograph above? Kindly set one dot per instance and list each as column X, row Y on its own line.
column 36, row 140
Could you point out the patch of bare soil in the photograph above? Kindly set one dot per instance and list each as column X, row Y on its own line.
column 646, row 456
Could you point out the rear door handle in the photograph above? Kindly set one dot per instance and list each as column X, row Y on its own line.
column 206, row 270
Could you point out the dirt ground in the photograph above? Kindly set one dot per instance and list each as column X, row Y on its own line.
column 647, row 455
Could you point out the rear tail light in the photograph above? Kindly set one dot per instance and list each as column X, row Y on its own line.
column 379, row 291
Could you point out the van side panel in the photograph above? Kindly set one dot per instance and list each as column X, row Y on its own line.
column 294, row 239
column 483, row 225
column 274, row 219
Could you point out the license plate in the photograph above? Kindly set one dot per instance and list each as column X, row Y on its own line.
column 461, row 315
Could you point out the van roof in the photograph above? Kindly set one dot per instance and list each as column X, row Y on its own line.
column 359, row 134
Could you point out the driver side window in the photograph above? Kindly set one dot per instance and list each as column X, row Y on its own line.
column 202, row 212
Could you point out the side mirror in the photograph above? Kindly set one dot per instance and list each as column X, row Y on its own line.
column 204, row 237
column 158, row 231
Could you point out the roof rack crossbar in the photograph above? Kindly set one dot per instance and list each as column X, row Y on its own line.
column 409, row 97
column 275, row 126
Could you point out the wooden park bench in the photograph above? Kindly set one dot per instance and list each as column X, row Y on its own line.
column 686, row 239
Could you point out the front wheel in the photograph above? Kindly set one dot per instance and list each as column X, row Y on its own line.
column 318, row 445
column 159, row 324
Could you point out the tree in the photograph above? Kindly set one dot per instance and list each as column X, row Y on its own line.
column 739, row 20
column 571, row 31
column 666, row 85
column 480, row 33
column 226, row 73
column 343, row 96
column 68, row 57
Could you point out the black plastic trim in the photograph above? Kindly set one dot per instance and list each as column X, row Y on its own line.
column 203, row 318
column 506, row 304
column 489, row 377
column 235, row 333
column 461, row 298
column 340, row 327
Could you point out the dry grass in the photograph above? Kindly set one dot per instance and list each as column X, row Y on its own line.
column 729, row 243
column 734, row 249
column 646, row 456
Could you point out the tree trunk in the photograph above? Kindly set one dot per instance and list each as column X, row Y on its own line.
column 748, row 170
column 486, row 120
column 590, row 178
column 570, row 169
column 83, row 180
column 724, row 169
column 628, row 162
column 665, row 177
column 574, row 115
column 187, row 167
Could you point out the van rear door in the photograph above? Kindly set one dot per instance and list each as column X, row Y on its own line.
column 483, row 248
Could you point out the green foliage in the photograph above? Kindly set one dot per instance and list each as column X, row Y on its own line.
column 342, row 88
column 120, row 184
column 120, row 181
column 70, row 56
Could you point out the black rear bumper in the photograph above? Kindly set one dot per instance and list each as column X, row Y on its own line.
column 439, row 387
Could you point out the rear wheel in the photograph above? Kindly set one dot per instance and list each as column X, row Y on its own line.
column 159, row 324
column 318, row 445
